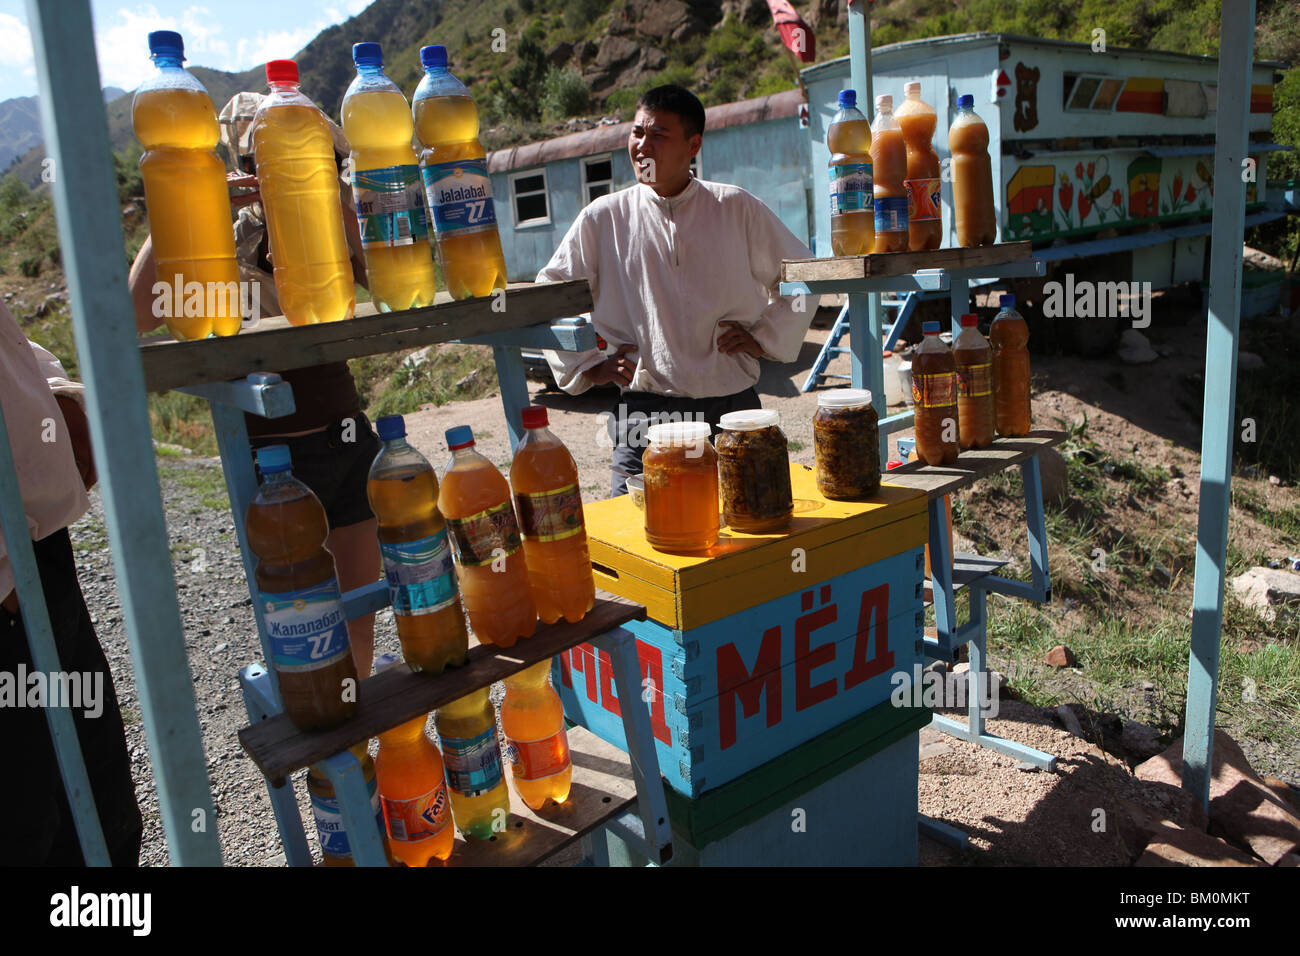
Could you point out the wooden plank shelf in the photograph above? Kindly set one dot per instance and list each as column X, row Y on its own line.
column 277, row 345
column 967, row 568
column 398, row 694
column 939, row 480
column 902, row 263
column 602, row 789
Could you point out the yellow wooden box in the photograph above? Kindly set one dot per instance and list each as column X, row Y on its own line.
column 825, row 539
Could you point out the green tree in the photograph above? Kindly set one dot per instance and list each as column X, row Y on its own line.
column 565, row 94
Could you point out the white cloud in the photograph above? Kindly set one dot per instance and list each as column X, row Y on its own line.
column 16, row 51
column 120, row 43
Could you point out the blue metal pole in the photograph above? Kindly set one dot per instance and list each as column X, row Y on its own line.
column 89, row 221
column 45, row 654
column 1236, row 50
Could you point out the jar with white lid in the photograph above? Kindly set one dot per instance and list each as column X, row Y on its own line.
column 681, row 487
column 754, row 472
column 846, row 440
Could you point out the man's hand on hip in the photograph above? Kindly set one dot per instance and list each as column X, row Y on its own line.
column 618, row 368
column 736, row 338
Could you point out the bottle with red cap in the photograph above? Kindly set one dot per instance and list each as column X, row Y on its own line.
column 475, row 500
column 544, row 478
column 293, row 148
column 974, row 360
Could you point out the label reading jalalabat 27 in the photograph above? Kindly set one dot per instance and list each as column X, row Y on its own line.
column 460, row 197
column 479, row 536
column 329, row 821
column 308, row 628
column 851, row 188
column 421, row 576
column 550, row 515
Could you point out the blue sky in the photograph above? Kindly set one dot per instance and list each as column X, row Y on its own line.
column 223, row 34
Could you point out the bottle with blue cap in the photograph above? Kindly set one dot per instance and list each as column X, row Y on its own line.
column 403, row 493
column 186, row 195
column 1009, row 336
column 298, row 592
column 475, row 500
column 853, row 227
column 974, row 215
column 934, row 399
column 386, row 187
column 459, row 191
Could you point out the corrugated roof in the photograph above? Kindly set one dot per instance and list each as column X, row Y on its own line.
column 605, row 139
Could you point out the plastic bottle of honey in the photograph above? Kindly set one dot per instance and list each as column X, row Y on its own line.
column 1009, row 336
column 853, row 228
column 889, row 166
column 934, row 394
column 972, row 177
column 974, row 361
column 917, row 120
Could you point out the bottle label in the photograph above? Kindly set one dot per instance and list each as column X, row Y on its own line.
column 473, row 763
column 329, row 821
column 922, row 199
column 538, row 759
column 975, row 381
column 390, row 206
column 410, row 821
column 851, row 188
column 479, row 538
column 550, row 515
column 934, row 391
column 421, row 576
column 308, row 629
column 460, row 196
column 891, row 214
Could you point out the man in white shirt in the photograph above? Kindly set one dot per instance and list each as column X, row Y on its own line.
column 684, row 277
column 52, row 456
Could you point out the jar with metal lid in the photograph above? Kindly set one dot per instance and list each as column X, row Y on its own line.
column 681, row 487
column 846, row 438
column 754, row 472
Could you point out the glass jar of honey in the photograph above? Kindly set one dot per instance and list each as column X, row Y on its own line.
column 754, row 472
column 681, row 487
column 846, row 439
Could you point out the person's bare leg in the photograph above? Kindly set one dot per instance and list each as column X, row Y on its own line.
column 356, row 555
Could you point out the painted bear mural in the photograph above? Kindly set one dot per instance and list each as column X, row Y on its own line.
column 1026, row 117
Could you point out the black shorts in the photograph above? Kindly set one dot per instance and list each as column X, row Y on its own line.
column 335, row 470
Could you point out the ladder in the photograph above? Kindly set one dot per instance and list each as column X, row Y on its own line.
column 905, row 306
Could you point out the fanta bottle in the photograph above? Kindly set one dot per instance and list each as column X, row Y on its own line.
column 414, row 795
column 298, row 591
column 934, row 399
column 544, row 478
column 294, row 152
column 456, row 180
column 386, row 187
column 537, row 747
column 853, row 228
column 889, row 168
column 974, row 360
column 917, row 120
column 403, row 493
column 467, row 730
column 334, row 845
column 1009, row 336
column 475, row 500
column 185, row 192
column 972, row 177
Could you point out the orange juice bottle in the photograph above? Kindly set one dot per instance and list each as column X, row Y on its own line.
column 454, row 166
column 972, row 177
column 889, row 168
column 1009, row 336
column 537, row 747
column 414, row 795
column 334, row 845
column 386, row 187
column 974, row 360
column 185, row 192
column 853, row 229
column 294, row 152
column 544, row 478
column 475, row 500
column 403, row 493
column 917, row 120
column 934, row 399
